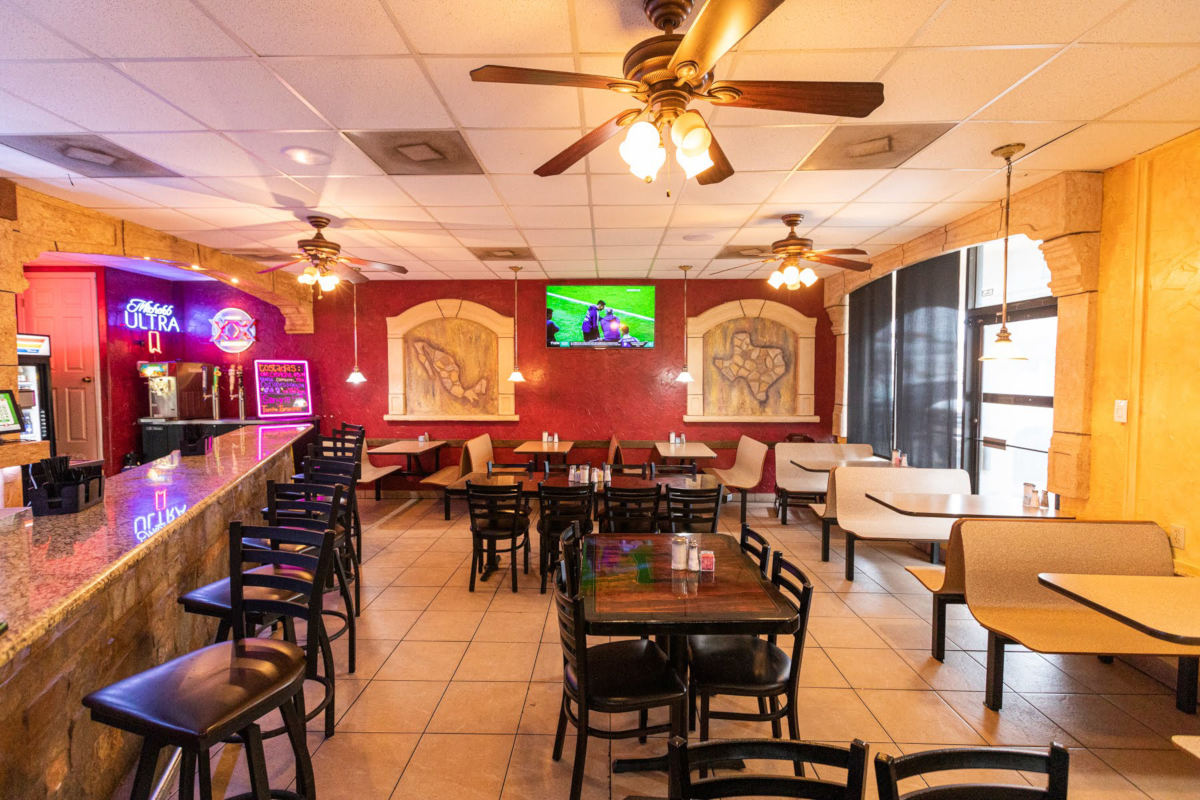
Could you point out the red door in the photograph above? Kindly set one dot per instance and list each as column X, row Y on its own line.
column 64, row 306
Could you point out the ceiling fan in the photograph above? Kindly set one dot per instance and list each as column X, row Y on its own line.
column 327, row 266
column 665, row 73
column 792, row 249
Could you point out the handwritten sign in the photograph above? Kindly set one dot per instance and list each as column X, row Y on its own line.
column 283, row 389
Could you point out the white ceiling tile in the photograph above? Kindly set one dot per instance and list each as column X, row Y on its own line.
column 503, row 268
column 992, row 187
column 944, row 213
column 565, row 253
column 500, row 105
column 775, row 148
column 423, row 238
column 922, row 185
column 723, row 216
column 1124, row 71
column 383, row 276
column 568, row 266
column 344, row 158
column 390, row 255
column 454, row 267
column 26, row 38
column 632, row 216
column 172, row 192
column 485, row 26
column 259, row 219
column 492, row 216
column 225, row 94
column 93, row 95
column 768, row 219
column 840, row 26
column 365, row 93
column 85, row 192
column 525, row 190
column 740, row 187
column 1150, row 21
column 859, row 214
column 625, row 190
column 551, row 216
column 680, row 236
column 194, row 154
column 826, row 186
column 970, row 144
column 377, row 191
column 968, row 22
column 950, row 85
column 901, row 234
column 614, row 28
column 1179, row 101
column 560, row 236
column 17, row 117
column 434, row 254
column 448, row 190
column 625, row 251
column 221, row 240
column 276, row 192
column 388, row 218
column 490, row 237
column 1100, row 145
column 826, row 236
column 688, row 253
column 627, row 236
column 520, row 152
column 305, row 27
column 135, row 28
column 599, row 105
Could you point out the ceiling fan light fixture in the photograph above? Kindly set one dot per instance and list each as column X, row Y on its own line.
column 309, row 276
column 642, row 150
column 328, row 281
column 776, row 279
column 807, row 276
column 791, row 275
column 693, row 165
column 690, row 133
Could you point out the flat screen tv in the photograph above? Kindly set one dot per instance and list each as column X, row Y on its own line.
column 600, row 316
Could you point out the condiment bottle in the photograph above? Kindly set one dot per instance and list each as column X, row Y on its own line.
column 608, row 473
column 679, row 553
column 693, row 561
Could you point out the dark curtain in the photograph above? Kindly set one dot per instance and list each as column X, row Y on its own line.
column 869, row 395
column 927, row 345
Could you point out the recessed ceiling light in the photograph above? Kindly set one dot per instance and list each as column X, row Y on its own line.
column 197, row 267
column 697, row 237
column 89, row 155
column 233, row 280
column 306, row 155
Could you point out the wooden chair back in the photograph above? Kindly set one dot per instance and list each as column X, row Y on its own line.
column 495, row 509
column 795, row 586
column 694, row 510
column 684, row 758
column 630, row 510
column 559, row 506
column 1054, row 764
column 755, row 545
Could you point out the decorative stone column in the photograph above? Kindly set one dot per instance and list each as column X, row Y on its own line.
column 837, row 321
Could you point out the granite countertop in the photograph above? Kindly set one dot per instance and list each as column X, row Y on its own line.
column 229, row 421
column 49, row 564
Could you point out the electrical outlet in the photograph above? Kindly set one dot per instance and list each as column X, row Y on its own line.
column 1121, row 411
column 1179, row 537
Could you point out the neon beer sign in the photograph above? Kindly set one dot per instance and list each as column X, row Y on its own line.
column 147, row 315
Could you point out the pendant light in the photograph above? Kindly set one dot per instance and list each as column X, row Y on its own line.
column 1003, row 349
column 356, row 375
column 684, row 376
column 516, row 376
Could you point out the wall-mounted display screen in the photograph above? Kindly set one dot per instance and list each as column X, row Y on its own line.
column 283, row 389
column 11, row 420
column 600, row 316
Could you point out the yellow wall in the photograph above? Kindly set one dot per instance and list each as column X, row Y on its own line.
column 1148, row 345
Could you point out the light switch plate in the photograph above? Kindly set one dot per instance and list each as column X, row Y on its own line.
column 1121, row 411
column 1179, row 537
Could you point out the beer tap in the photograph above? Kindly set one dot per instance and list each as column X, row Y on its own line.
column 235, row 377
column 216, row 393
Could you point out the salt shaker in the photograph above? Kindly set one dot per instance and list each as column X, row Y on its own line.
column 672, row 438
column 556, row 438
column 693, row 562
column 545, row 436
column 679, row 553
column 608, row 473
column 683, row 438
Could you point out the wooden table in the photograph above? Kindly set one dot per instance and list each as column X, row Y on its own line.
column 412, row 450
column 1163, row 606
column 827, row 465
column 916, row 504
column 629, row 589
column 547, row 449
column 685, row 452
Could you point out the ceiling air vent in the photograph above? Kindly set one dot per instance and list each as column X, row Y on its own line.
column 89, row 155
column 503, row 253
column 873, row 146
column 418, row 152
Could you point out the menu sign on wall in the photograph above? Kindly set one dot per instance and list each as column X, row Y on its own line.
column 283, row 389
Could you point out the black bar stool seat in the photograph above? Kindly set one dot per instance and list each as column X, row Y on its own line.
column 204, row 696
column 213, row 599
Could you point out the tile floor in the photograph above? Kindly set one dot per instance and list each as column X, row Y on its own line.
column 456, row 694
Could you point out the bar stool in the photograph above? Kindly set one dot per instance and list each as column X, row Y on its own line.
column 342, row 472
column 218, row 692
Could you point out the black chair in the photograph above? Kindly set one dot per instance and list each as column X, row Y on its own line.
column 218, row 693
column 558, row 507
column 755, row 545
column 497, row 513
column 549, row 469
column 498, row 468
column 657, row 469
column 748, row 666
column 1055, row 764
column 630, row 510
column 692, row 510
column 341, row 472
column 613, row 678
column 636, row 470
column 311, row 507
column 685, row 758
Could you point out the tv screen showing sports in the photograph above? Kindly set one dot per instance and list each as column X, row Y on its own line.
column 600, row 316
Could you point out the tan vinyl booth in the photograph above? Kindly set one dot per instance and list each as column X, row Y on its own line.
column 797, row 486
column 945, row 582
column 747, row 469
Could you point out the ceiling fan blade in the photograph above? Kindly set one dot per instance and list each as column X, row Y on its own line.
column 834, row 98
column 719, row 26
column 347, row 273
column 493, row 73
column 721, row 168
column 840, row 251
column 834, row 261
column 281, row 266
column 586, row 144
column 743, row 266
column 377, row 266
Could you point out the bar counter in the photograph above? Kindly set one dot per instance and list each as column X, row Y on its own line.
column 91, row 597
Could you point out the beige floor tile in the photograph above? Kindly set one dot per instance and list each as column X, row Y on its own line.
column 830, row 604
column 958, row 672
column 817, row 671
column 540, row 714
column 534, row 775
column 403, row 598
column 875, row 669
column 370, row 655
column 1092, row 779
column 443, row 559
column 393, row 707
column 1164, row 775
column 1115, row 678
column 873, row 747
column 1095, row 722
column 1157, row 712
column 455, row 597
column 445, row 626
column 511, row 626
column 487, row 707
column 448, row 766
column 966, row 634
column 1017, row 724
column 903, row 634
column 843, row 632
column 424, row 576
column 918, row 717
column 835, row 715
column 1030, row 672
column 419, row 660
column 391, row 625
column 877, row 605
column 549, row 664
column 361, row 766
column 497, row 661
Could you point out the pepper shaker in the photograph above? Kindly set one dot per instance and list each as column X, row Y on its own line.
column 693, row 561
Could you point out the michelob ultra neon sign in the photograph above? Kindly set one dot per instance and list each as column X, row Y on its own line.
column 147, row 315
